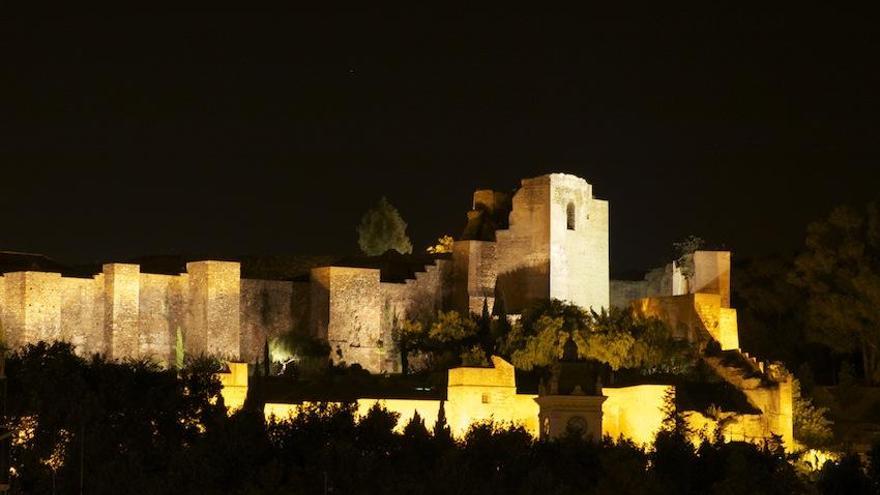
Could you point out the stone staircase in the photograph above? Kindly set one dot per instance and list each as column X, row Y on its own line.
column 768, row 387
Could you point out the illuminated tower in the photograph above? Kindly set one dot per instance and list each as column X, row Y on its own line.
column 556, row 245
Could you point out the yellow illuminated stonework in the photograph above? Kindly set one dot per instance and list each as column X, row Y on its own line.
column 554, row 244
column 235, row 386
column 473, row 395
column 635, row 412
column 489, row 394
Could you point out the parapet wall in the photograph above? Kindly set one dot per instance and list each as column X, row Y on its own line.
column 473, row 395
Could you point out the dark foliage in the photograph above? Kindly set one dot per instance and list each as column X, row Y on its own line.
column 133, row 428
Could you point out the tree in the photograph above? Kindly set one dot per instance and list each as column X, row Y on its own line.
column 416, row 427
column 684, row 253
column 306, row 352
column 874, row 466
column 839, row 271
column 484, row 330
column 623, row 339
column 844, row 476
column 444, row 245
column 382, row 229
column 673, row 456
column 114, row 425
column 617, row 337
column 475, row 356
column 408, row 335
column 442, row 433
column 267, row 360
column 539, row 338
column 811, row 426
column 179, row 352
column 500, row 326
column 543, row 348
column 771, row 311
column 452, row 338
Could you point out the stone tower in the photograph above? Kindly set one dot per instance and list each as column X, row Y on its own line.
column 556, row 245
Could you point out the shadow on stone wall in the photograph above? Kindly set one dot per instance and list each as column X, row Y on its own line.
column 524, row 286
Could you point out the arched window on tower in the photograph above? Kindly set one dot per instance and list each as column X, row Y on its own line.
column 570, row 217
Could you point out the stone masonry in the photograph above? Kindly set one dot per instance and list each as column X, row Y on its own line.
column 548, row 239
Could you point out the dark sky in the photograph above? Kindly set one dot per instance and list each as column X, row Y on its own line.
column 272, row 132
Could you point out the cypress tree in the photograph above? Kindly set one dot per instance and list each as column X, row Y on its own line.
column 382, row 228
column 502, row 326
column 266, row 359
column 442, row 433
column 179, row 352
column 485, row 330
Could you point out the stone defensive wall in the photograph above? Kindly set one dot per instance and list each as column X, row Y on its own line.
column 696, row 307
column 489, row 394
column 710, row 275
column 694, row 317
column 125, row 313
column 474, row 275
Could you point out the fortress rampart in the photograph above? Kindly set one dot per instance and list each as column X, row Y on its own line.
column 547, row 240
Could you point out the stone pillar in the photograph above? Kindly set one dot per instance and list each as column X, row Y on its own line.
column 122, row 282
column 33, row 307
column 214, row 309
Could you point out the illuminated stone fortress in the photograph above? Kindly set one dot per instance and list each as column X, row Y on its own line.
column 548, row 239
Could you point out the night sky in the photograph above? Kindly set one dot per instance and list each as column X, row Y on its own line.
column 271, row 132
